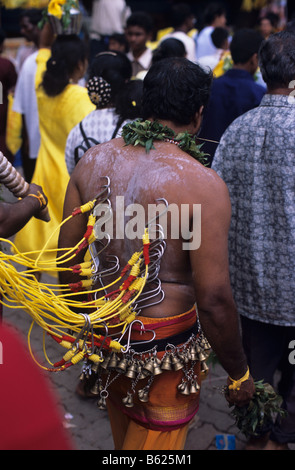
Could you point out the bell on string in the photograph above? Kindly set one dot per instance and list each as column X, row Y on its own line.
column 128, row 400
column 142, row 374
column 202, row 357
column 94, row 368
column 166, row 363
column 204, row 367
column 122, row 366
column 181, row 386
column 149, row 366
column 105, row 363
column 82, row 376
column 102, row 403
column 131, row 371
column 186, row 390
column 113, row 361
column 193, row 353
column 195, row 387
column 157, row 370
column 143, row 395
column 95, row 389
column 176, row 363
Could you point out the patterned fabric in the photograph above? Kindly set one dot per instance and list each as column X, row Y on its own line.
column 256, row 159
column 167, row 409
column 99, row 125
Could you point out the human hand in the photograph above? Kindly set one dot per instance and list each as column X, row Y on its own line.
column 36, row 191
column 242, row 394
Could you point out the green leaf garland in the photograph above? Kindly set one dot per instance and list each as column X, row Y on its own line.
column 144, row 133
column 261, row 410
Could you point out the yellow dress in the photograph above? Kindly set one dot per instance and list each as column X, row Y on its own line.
column 57, row 116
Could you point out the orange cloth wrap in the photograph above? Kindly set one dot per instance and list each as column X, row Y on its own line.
column 167, row 411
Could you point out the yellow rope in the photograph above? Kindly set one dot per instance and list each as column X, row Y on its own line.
column 51, row 307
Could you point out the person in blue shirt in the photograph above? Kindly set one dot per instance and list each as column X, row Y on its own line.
column 235, row 92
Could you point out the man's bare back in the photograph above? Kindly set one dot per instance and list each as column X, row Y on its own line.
column 141, row 178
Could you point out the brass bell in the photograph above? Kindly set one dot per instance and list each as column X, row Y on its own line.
column 142, row 374
column 82, row 376
column 157, row 370
column 149, row 366
column 102, row 403
column 166, row 363
column 122, row 366
column 202, row 357
column 113, row 361
column 143, row 395
column 95, row 389
column 193, row 353
column 176, row 363
column 204, row 367
column 128, row 400
column 181, row 386
column 184, row 357
column 186, row 390
column 131, row 371
column 94, row 368
column 105, row 363
column 195, row 387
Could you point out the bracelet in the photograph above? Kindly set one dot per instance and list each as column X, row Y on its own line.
column 40, row 198
column 236, row 384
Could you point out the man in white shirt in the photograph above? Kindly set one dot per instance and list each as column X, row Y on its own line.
column 214, row 17
column 183, row 21
column 108, row 17
column 139, row 29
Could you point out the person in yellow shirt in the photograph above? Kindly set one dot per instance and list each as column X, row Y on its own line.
column 62, row 103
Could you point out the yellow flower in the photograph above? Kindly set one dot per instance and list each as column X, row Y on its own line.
column 55, row 8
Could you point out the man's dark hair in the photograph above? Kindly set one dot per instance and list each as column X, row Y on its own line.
column 219, row 36
column 277, row 60
column 175, row 89
column 170, row 47
column 273, row 18
column 179, row 14
column 212, row 11
column 244, row 44
column 141, row 19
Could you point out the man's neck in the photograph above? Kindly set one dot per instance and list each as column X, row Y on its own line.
column 137, row 54
column 243, row 67
column 280, row 91
column 176, row 128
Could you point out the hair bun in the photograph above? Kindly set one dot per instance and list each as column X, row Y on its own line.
column 99, row 91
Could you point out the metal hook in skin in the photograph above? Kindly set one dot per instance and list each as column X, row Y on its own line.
column 159, row 215
column 129, row 344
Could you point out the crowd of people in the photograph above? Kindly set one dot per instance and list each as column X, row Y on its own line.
column 231, row 88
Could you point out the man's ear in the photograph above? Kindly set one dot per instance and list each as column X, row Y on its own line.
column 198, row 118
